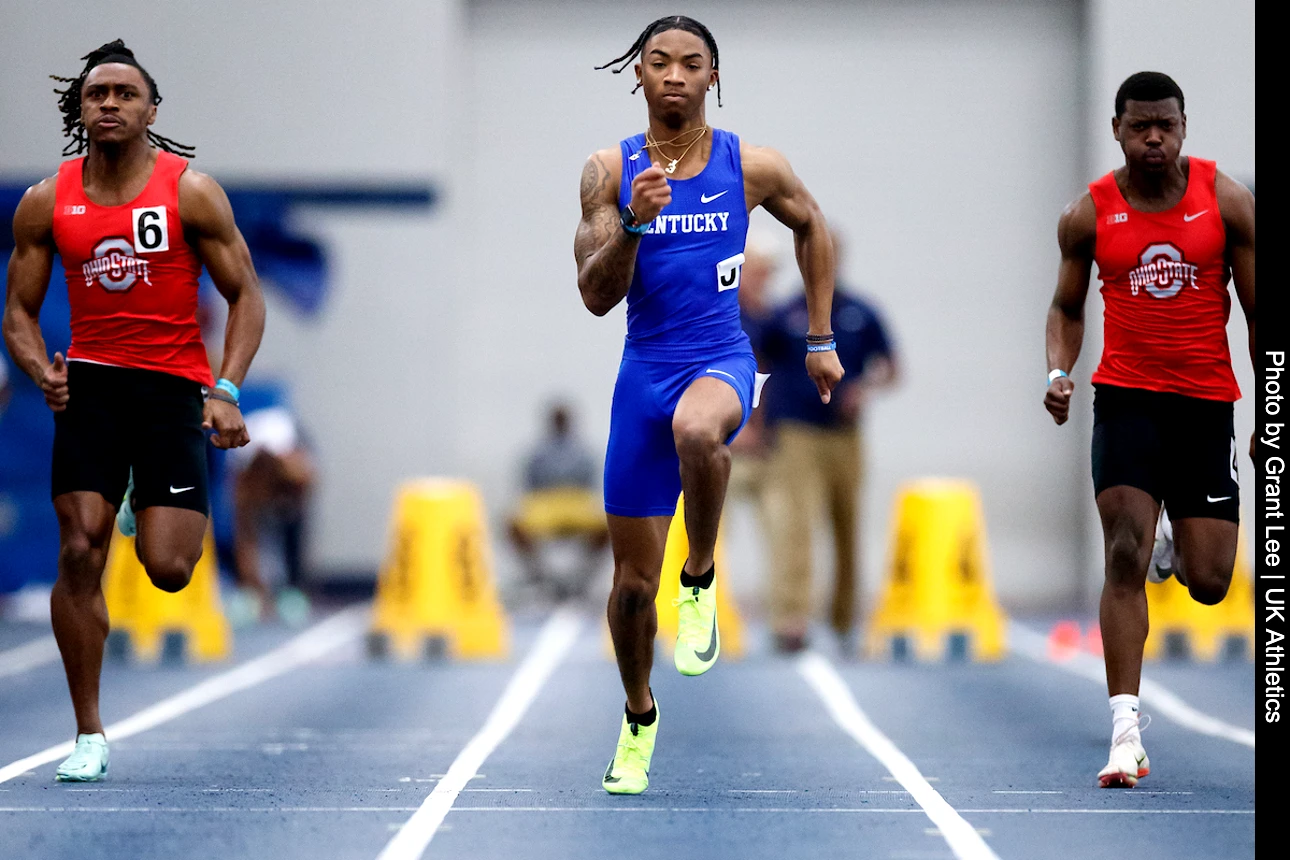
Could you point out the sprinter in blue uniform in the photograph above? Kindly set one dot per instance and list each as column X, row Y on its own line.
column 664, row 216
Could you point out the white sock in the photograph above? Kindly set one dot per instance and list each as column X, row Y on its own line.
column 1124, row 716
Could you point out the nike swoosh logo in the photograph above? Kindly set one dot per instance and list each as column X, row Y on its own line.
column 1190, row 218
column 707, row 655
column 1217, row 499
column 175, row 489
column 703, row 198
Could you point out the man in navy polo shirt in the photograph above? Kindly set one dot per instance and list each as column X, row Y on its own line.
column 816, row 468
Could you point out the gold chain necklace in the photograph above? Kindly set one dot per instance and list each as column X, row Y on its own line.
column 658, row 145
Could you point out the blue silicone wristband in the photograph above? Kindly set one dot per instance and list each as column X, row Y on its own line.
column 228, row 387
column 822, row 347
column 1055, row 374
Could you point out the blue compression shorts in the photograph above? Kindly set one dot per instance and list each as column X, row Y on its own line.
column 642, row 470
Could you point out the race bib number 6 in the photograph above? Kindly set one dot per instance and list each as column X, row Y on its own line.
column 150, row 230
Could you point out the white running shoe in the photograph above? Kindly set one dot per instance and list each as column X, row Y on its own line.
column 1164, row 562
column 1128, row 762
column 88, row 761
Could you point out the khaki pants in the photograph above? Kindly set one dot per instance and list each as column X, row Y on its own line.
column 813, row 473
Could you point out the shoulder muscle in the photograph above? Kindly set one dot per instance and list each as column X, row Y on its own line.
column 203, row 205
column 33, row 220
column 1077, row 227
column 601, row 174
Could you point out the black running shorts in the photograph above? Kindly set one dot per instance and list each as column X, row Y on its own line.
column 1181, row 450
column 121, row 417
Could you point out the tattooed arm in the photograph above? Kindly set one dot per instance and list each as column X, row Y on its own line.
column 605, row 252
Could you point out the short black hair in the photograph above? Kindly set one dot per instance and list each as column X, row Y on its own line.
column 69, row 102
column 1148, row 87
column 662, row 25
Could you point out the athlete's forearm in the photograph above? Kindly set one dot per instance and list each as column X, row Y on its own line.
column 1064, row 336
column 814, row 249
column 606, row 275
column 24, row 341
column 242, row 334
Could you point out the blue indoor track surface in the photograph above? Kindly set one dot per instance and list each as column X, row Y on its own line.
column 330, row 756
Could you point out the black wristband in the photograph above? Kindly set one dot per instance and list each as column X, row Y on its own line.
column 819, row 338
column 631, row 223
column 221, row 394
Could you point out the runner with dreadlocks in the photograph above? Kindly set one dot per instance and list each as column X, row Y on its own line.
column 133, row 226
column 664, row 216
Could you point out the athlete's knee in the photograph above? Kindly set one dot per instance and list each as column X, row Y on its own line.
column 1208, row 585
column 634, row 590
column 1127, row 555
column 170, row 574
column 82, row 555
column 695, row 439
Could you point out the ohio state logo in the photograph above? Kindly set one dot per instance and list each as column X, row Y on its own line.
column 115, row 266
column 1163, row 271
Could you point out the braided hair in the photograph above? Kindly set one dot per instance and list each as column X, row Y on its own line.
column 662, row 25
column 69, row 101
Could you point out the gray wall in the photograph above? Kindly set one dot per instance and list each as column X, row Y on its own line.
column 942, row 137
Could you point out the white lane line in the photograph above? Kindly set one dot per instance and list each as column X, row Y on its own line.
column 625, row 810
column 35, row 653
column 553, row 643
column 327, row 635
column 1030, row 643
column 962, row 838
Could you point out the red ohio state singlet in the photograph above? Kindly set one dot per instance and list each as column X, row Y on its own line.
column 1164, row 284
column 131, row 277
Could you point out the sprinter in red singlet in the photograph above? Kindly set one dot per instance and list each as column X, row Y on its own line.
column 1167, row 233
column 134, row 398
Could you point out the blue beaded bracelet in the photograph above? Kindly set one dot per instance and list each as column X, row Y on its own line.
column 822, row 347
column 227, row 386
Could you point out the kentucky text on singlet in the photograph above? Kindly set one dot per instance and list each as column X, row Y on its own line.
column 683, row 302
column 131, row 276
column 1164, row 284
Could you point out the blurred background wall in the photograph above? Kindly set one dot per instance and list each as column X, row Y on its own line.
column 943, row 138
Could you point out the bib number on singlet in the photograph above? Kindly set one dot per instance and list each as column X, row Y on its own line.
column 151, row 234
column 728, row 273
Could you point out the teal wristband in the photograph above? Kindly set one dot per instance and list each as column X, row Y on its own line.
column 229, row 388
column 1054, row 375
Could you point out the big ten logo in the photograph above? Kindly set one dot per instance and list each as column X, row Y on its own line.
column 1117, row 218
column 728, row 271
column 151, row 235
column 74, row 209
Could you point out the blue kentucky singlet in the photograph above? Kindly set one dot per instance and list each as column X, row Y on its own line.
column 683, row 302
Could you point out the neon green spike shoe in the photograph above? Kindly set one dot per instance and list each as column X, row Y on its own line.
column 88, row 761
column 125, row 513
column 628, row 771
column 698, row 642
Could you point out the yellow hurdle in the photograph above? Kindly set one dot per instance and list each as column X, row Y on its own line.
column 436, row 595
column 147, row 622
column 938, row 597
column 1180, row 624
column 674, row 555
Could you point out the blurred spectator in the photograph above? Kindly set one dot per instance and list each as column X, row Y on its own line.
column 270, row 482
column 559, row 502
column 817, row 465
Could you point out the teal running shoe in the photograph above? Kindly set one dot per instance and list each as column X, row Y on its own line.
column 628, row 771
column 87, row 763
column 125, row 514
column 698, row 641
